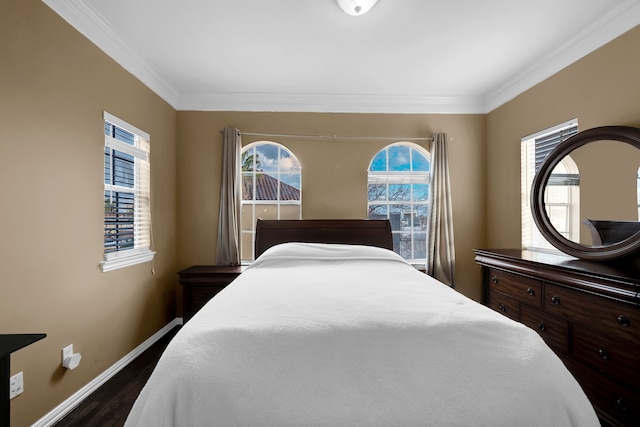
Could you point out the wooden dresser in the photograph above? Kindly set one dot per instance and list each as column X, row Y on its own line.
column 200, row 283
column 587, row 312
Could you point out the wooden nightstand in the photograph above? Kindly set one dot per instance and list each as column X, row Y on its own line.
column 201, row 282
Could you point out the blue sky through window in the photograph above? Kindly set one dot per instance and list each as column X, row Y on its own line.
column 401, row 158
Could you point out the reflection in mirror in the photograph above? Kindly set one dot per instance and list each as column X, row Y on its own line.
column 596, row 182
column 562, row 199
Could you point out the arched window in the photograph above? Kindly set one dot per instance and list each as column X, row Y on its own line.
column 398, row 190
column 271, row 189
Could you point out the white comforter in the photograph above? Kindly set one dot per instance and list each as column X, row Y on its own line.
column 341, row 335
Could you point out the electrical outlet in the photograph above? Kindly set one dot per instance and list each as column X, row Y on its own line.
column 67, row 352
column 16, row 385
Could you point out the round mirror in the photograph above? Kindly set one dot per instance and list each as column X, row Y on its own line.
column 585, row 195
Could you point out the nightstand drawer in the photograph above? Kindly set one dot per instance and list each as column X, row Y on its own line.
column 554, row 330
column 524, row 289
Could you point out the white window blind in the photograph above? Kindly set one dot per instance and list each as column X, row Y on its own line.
column 127, row 205
column 564, row 185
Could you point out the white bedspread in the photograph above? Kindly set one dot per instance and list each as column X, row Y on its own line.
column 341, row 335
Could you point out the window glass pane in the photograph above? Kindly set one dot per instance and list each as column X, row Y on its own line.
column 247, row 245
column 267, row 157
column 405, row 246
column 289, row 192
column 420, row 218
column 266, row 187
column 107, row 165
column 395, row 217
column 247, row 221
column 248, row 159
column 288, row 163
column 292, row 180
column 400, row 192
column 379, row 162
column 123, row 169
column 378, row 211
column 267, row 211
column 420, row 192
column 289, row 211
column 377, row 192
column 419, row 162
column 419, row 245
column 119, row 134
column 118, row 221
column 247, row 186
column 558, row 217
column 399, row 159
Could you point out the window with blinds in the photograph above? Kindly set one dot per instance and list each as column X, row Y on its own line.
column 563, row 192
column 127, row 207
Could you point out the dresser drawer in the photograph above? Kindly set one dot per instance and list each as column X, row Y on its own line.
column 617, row 358
column 616, row 318
column 521, row 288
column 505, row 305
column 614, row 402
column 553, row 330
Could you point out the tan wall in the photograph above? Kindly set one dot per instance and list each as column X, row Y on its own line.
column 334, row 173
column 54, row 86
column 599, row 90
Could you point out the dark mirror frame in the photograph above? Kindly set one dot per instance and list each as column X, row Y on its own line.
column 626, row 134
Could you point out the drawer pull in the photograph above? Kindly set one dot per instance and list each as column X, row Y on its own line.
column 623, row 321
column 502, row 308
column 494, row 280
column 603, row 353
column 541, row 326
column 555, row 299
column 530, row 291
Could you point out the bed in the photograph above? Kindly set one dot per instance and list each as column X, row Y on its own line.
column 349, row 334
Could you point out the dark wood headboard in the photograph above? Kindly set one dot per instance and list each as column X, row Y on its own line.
column 370, row 232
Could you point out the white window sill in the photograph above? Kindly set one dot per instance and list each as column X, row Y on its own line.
column 126, row 260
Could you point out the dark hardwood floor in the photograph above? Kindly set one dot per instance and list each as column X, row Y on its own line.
column 110, row 404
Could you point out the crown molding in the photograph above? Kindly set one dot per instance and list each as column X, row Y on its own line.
column 330, row 103
column 611, row 25
column 88, row 22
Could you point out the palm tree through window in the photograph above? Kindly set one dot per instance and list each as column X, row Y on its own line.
column 271, row 189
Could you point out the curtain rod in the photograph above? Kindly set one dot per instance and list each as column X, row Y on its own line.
column 335, row 137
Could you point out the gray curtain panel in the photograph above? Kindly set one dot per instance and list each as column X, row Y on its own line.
column 441, row 257
column 228, row 245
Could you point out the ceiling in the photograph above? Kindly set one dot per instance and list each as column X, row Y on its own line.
column 404, row 56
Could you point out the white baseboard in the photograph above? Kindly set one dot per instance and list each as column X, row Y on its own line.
column 75, row 399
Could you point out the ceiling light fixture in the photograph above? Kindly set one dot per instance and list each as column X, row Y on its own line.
column 356, row 7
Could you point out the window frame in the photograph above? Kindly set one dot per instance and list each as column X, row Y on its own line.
column 411, row 177
column 140, row 151
column 254, row 203
column 531, row 159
